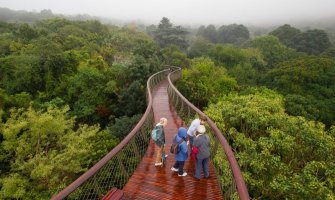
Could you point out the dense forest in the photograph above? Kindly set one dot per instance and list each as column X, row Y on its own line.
column 273, row 96
column 71, row 90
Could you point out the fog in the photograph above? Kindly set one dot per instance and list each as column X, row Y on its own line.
column 187, row 11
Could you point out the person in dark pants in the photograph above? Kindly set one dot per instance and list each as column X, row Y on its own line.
column 182, row 154
column 202, row 143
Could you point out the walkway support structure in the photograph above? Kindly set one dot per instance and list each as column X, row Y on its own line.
column 114, row 170
column 226, row 167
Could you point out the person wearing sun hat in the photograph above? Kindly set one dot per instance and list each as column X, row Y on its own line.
column 201, row 143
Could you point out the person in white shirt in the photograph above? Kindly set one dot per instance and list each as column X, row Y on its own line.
column 191, row 131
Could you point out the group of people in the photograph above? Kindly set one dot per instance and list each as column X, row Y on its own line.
column 196, row 138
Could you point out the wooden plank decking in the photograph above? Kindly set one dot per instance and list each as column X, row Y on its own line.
column 150, row 182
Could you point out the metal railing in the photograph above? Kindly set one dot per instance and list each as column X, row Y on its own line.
column 118, row 165
column 226, row 167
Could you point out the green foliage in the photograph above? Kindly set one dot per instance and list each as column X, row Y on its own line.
column 233, row 34
column 272, row 50
column 244, row 74
column 298, row 105
column 55, row 76
column 123, row 125
column 208, row 33
column 131, row 100
column 51, row 64
column 204, row 82
column 312, row 42
column 285, row 34
column 310, row 77
column 46, row 152
column 6, row 38
column 230, row 56
column 281, row 157
column 329, row 52
column 244, row 65
column 25, row 33
column 172, row 55
column 166, row 34
column 17, row 74
column 199, row 47
column 84, row 91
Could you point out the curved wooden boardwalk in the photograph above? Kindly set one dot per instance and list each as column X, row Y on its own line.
column 150, row 182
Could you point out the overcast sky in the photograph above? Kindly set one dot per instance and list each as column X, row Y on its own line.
column 186, row 11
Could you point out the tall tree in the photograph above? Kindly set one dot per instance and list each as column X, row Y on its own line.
column 233, row 34
column 199, row 47
column 46, row 153
column 172, row 55
column 272, row 49
column 203, row 82
column 311, row 42
column 210, row 33
column 285, row 34
column 167, row 34
column 201, row 30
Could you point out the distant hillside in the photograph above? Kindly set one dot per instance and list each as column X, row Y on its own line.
column 22, row 16
column 326, row 24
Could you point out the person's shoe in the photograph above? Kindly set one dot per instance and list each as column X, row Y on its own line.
column 184, row 174
column 198, row 179
column 174, row 169
column 158, row 164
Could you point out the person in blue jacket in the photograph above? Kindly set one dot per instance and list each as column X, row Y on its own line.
column 182, row 154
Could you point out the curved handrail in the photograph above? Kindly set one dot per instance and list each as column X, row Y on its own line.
column 152, row 81
column 239, row 181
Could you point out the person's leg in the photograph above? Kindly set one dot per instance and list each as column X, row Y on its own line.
column 191, row 142
column 159, row 154
column 205, row 167
column 198, row 166
column 176, row 165
column 181, row 167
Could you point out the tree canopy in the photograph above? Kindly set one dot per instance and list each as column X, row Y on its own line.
column 63, row 85
column 311, row 42
column 280, row 156
column 285, row 34
column 167, row 34
column 233, row 34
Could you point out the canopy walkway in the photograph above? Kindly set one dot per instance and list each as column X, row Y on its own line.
column 128, row 171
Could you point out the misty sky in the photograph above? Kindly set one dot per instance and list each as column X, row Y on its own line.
column 186, row 11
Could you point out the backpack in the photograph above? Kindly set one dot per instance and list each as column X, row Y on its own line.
column 175, row 146
column 154, row 133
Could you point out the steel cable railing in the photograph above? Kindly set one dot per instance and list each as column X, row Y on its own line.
column 226, row 167
column 118, row 165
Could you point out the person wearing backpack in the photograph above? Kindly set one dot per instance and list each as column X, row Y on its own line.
column 201, row 145
column 160, row 140
column 181, row 155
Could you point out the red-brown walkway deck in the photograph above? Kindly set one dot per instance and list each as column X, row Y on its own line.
column 150, row 182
